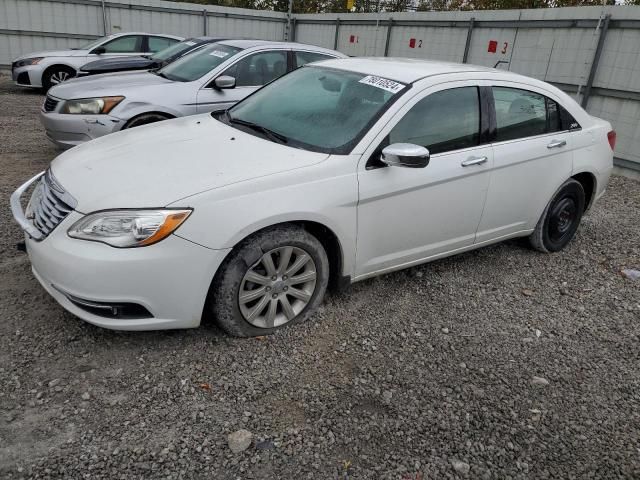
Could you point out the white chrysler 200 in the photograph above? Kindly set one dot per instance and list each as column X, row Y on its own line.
column 336, row 172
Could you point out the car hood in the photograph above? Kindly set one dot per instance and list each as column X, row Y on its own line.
column 117, row 62
column 104, row 85
column 159, row 164
column 55, row 53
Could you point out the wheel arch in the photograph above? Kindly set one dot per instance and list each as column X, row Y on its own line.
column 325, row 235
column 589, row 184
column 168, row 116
column 53, row 66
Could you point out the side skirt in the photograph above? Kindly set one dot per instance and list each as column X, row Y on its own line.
column 521, row 233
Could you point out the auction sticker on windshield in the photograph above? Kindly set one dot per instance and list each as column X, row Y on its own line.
column 383, row 83
column 219, row 54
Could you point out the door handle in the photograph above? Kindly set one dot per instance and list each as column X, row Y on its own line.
column 557, row 144
column 474, row 161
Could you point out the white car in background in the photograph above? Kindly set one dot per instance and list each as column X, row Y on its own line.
column 337, row 172
column 45, row 69
column 210, row 78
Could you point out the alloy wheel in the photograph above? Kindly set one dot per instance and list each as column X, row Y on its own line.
column 276, row 288
column 59, row 77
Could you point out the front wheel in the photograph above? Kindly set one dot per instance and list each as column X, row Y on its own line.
column 145, row 119
column 273, row 279
column 56, row 75
column 560, row 220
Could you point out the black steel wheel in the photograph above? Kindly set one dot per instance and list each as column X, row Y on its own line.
column 561, row 219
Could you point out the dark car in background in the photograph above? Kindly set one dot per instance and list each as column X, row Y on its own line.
column 145, row 62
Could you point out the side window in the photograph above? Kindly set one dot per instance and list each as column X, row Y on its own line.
column 519, row 113
column 443, row 121
column 159, row 43
column 259, row 68
column 553, row 117
column 567, row 121
column 302, row 58
column 128, row 44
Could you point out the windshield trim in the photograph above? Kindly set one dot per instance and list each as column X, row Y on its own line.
column 344, row 149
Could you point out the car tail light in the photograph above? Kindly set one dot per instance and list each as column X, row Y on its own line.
column 611, row 136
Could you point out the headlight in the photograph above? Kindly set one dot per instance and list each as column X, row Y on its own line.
column 28, row 61
column 94, row 106
column 128, row 228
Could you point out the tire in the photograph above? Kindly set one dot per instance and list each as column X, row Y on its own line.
column 560, row 219
column 233, row 313
column 55, row 75
column 145, row 119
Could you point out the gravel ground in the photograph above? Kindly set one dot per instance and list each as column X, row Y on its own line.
column 501, row 363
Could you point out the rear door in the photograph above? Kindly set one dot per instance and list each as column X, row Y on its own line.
column 532, row 156
column 155, row 43
column 251, row 72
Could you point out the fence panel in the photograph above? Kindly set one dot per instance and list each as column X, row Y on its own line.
column 429, row 43
column 557, row 45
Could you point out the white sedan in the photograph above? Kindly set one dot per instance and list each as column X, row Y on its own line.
column 337, row 172
column 49, row 68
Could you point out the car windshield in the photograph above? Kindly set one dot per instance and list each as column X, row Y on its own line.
column 196, row 64
column 175, row 49
column 93, row 44
column 318, row 108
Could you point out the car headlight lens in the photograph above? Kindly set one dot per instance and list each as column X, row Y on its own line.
column 128, row 228
column 93, row 106
column 28, row 61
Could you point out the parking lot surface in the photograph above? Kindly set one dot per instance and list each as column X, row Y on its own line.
column 500, row 363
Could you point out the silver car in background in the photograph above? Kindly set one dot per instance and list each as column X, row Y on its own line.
column 46, row 69
column 213, row 77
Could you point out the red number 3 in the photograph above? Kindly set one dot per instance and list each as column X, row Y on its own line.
column 504, row 47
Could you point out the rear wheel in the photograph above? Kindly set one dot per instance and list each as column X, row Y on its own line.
column 560, row 220
column 145, row 119
column 273, row 279
column 55, row 75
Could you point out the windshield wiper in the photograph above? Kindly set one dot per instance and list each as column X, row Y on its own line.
column 277, row 137
column 156, row 71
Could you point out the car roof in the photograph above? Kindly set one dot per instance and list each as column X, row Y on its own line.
column 405, row 70
column 120, row 34
column 208, row 39
column 244, row 44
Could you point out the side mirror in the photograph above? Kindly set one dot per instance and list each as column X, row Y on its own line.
column 99, row 50
column 224, row 82
column 405, row 155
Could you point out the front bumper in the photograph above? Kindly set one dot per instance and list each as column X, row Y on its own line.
column 67, row 130
column 170, row 279
column 27, row 76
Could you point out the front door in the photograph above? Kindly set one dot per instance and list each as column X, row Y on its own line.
column 408, row 215
column 251, row 72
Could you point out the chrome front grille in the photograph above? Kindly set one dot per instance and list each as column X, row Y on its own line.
column 49, row 204
column 50, row 104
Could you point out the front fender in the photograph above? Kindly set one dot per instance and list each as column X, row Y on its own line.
column 326, row 194
column 135, row 108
